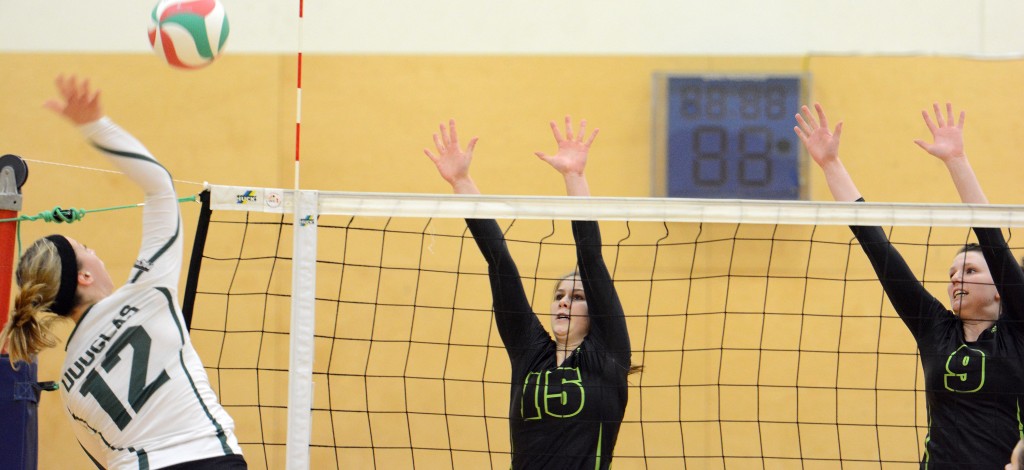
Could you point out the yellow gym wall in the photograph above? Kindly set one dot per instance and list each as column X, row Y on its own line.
column 366, row 120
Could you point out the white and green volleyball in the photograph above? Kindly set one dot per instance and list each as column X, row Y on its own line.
column 188, row 34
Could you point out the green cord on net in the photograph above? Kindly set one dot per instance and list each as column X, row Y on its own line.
column 68, row 216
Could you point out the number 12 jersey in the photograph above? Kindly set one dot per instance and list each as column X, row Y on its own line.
column 132, row 383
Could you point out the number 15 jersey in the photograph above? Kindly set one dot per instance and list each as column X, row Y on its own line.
column 561, row 416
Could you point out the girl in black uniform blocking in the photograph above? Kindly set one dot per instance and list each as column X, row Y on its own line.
column 569, row 393
column 972, row 356
column 134, row 387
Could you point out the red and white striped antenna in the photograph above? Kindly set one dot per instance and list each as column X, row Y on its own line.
column 298, row 97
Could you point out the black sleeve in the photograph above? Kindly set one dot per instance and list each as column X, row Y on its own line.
column 517, row 324
column 1006, row 274
column 607, row 320
column 917, row 307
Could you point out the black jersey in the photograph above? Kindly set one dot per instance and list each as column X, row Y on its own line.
column 973, row 388
column 561, row 416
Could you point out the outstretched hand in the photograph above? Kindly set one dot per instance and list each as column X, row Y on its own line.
column 947, row 137
column 77, row 102
column 819, row 142
column 452, row 162
column 571, row 158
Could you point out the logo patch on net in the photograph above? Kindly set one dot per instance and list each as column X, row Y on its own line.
column 273, row 199
column 307, row 220
column 248, row 197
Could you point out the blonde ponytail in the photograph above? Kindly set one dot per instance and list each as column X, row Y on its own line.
column 29, row 329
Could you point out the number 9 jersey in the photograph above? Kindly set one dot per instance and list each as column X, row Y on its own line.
column 132, row 383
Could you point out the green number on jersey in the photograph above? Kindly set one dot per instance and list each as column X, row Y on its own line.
column 138, row 390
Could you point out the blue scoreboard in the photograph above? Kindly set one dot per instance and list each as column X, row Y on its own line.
column 732, row 137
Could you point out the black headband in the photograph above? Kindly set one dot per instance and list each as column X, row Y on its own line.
column 65, row 300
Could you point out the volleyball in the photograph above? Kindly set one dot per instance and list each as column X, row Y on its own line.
column 188, row 34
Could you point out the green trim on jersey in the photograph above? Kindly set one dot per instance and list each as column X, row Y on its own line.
column 141, row 454
column 927, row 439
column 221, row 435
column 137, row 156
column 152, row 160
column 1020, row 425
column 161, row 251
column 143, row 458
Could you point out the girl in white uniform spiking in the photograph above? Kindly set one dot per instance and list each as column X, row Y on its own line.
column 134, row 387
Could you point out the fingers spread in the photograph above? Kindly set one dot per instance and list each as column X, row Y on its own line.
column 452, row 133
column 822, row 120
column 805, row 128
column 800, row 134
column 807, row 122
column 938, row 114
column 83, row 89
column 928, row 121
column 556, row 132
column 94, row 98
column 54, row 105
column 444, row 138
column 439, row 144
column 65, row 85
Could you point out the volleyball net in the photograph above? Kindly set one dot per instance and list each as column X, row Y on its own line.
column 354, row 330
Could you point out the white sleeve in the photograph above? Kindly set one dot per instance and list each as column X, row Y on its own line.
column 160, row 255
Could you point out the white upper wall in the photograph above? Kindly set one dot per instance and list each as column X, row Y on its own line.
column 577, row 27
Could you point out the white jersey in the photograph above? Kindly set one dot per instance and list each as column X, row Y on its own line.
column 134, row 387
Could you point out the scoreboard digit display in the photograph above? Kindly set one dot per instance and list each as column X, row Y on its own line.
column 731, row 137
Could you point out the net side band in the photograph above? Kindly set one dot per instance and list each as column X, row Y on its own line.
column 240, row 198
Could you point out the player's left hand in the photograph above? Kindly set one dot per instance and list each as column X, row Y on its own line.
column 571, row 158
column 947, row 136
column 78, row 103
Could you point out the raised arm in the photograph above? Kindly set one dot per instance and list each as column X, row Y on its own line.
column 81, row 105
column 915, row 305
column 160, row 254
column 1006, row 273
column 517, row 324
column 571, row 159
column 607, row 320
column 823, row 146
column 948, row 146
column 452, row 162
